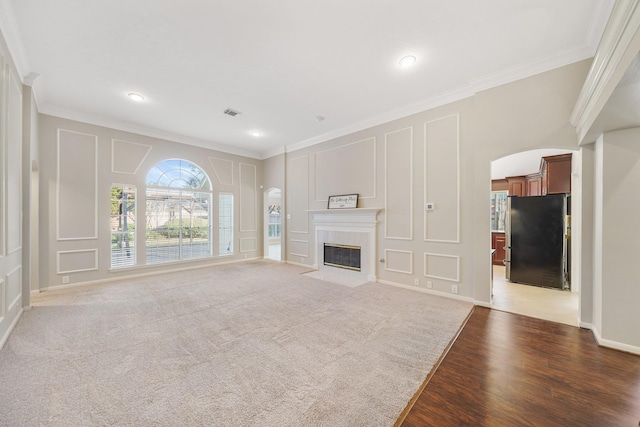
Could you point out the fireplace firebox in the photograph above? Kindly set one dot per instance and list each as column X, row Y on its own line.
column 342, row 256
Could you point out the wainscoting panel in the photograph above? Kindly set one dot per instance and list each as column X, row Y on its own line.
column 347, row 169
column 442, row 180
column 78, row 260
column 223, row 170
column 248, row 198
column 14, row 165
column 248, row 244
column 398, row 189
column 398, row 261
column 3, row 300
column 438, row 266
column 77, row 186
column 127, row 157
column 299, row 194
column 14, row 288
column 299, row 248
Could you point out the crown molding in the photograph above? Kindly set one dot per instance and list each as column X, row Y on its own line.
column 273, row 152
column 145, row 131
column 618, row 47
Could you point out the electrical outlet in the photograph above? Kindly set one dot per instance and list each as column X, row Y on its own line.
column 416, row 282
column 454, row 289
column 65, row 280
column 429, row 284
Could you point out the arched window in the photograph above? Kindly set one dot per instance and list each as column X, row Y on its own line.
column 178, row 214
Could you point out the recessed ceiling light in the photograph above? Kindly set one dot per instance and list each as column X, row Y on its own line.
column 135, row 97
column 256, row 133
column 319, row 118
column 407, row 61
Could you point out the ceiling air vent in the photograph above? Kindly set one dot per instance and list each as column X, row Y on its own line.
column 230, row 112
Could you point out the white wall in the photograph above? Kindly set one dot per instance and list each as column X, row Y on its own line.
column 80, row 162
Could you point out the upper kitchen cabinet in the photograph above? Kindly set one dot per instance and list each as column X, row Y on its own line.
column 556, row 174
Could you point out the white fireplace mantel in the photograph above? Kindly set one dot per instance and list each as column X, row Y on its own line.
column 362, row 221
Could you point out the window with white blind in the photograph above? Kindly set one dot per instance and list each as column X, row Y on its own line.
column 178, row 222
column 123, row 225
column 225, row 220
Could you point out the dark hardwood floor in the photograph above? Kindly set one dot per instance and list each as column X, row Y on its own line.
column 510, row 370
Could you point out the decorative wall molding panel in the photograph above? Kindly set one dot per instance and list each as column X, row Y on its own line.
column 299, row 194
column 398, row 261
column 299, row 248
column 352, row 168
column 398, row 186
column 77, row 186
column 3, row 300
column 248, row 197
column 248, row 244
column 77, row 261
column 445, row 267
column 442, row 179
column 14, row 288
column 127, row 157
column 13, row 123
column 223, row 170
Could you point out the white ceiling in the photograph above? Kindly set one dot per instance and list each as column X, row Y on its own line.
column 282, row 63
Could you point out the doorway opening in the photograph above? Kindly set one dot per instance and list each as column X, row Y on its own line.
column 532, row 249
column 273, row 224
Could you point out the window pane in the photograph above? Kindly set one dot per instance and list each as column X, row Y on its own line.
column 123, row 222
column 163, row 225
column 176, row 173
column 195, row 224
column 225, row 228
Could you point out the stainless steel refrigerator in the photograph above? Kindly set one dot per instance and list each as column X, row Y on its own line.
column 538, row 241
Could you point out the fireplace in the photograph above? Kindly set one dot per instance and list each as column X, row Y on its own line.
column 342, row 256
column 349, row 235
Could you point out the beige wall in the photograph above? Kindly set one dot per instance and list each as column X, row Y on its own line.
column 618, row 238
column 14, row 291
column 80, row 162
column 441, row 156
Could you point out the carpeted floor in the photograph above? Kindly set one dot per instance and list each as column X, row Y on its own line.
column 255, row 344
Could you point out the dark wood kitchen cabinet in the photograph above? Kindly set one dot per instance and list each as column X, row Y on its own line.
column 556, row 174
column 498, row 242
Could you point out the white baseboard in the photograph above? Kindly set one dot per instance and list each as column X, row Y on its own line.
column 149, row 273
column 299, row 264
column 13, row 325
column 482, row 303
column 585, row 325
column 614, row 344
column 427, row 291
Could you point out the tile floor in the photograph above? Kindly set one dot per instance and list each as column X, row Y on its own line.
column 542, row 303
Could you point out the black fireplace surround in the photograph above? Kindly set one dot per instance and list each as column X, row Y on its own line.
column 342, row 256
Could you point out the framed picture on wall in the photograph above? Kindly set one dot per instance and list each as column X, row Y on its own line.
column 343, row 201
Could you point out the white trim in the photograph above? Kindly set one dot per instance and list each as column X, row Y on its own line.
column 426, row 264
column 16, row 270
column 216, row 172
column 113, row 155
column 7, row 106
column 428, row 291
column 124, row 126
column 299, row 264
column 250, row 250
column 273, row 152
column 10, row 328
column 375, row 168
column 300, row 241
column 426, row 199
column 95, row 236
column 585, row 325
column 386, row 257
column 13, row 39
column 151, row 273
column 255, row 197
column 618, row 47
column 614, row 344
column 58, row 253
column 3, row 163
column 386, row 186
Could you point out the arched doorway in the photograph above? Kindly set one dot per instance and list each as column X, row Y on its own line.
column 273, row 224
column 536, row 179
